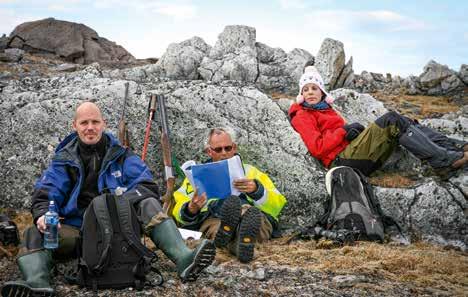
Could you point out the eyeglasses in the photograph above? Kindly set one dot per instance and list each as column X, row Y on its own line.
column 218, row 150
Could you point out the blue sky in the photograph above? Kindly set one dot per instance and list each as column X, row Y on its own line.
column 398, row 37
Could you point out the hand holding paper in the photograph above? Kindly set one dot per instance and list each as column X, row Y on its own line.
column 197, row 202
column 245, row 185
column 216, row 178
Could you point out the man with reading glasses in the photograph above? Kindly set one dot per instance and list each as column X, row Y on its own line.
column 235, row 222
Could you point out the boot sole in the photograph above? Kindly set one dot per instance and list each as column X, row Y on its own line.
column 23, row 290
column 202, row 259
column 248, row 230
column 230, row 218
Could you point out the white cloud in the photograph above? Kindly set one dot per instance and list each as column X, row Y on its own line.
column 10, row 20
column 177, row 11
column 380, row 20
column 292, row 4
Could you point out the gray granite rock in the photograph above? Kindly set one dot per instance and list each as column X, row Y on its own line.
column 234, row 56
column 181, row 60
column 36, row 114
column 330, row 61
column 463, row 73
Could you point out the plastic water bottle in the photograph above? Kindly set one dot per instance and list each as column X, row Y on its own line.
column 51, row 232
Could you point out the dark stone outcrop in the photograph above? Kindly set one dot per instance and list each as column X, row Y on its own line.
column 72, row 42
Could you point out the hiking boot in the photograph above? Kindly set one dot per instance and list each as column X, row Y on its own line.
column 230, row 218
column 35, row 268
column 244, row 244
column 461, row 162
column 189, row 263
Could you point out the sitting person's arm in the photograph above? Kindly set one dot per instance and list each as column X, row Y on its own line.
column 317, row 142
column 54, row 184
column 264, row 194
column 185, row 210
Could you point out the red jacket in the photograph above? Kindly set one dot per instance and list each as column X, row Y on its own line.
column 321, row 130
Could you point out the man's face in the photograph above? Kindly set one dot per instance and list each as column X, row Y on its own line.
column 221, row 147
column 88, row 123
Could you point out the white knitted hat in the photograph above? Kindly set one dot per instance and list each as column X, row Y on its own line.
column 311, row 75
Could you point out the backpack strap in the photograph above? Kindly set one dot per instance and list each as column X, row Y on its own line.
column 125, row 220
column 105, row 225
column 387, row 220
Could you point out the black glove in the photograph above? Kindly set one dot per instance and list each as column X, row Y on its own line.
column 353, row 130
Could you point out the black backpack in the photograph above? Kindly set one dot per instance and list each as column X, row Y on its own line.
column 352, row 205
column 111, row 254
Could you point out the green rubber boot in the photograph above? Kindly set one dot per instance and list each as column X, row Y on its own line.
column 35, row 268
column 190, row 263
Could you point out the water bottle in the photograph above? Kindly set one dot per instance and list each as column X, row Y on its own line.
column 51, row 232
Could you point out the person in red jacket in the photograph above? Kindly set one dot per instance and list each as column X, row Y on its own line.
column 334, row 142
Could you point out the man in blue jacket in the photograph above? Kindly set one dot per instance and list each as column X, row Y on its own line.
column 86, row 164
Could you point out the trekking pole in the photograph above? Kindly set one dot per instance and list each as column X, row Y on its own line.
column 168, row 199
column 123, row 131
column 151, row 109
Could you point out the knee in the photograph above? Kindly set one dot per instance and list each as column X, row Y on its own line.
column 148, row 209
column 393, row 118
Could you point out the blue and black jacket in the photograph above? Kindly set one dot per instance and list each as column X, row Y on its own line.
column 62, row 180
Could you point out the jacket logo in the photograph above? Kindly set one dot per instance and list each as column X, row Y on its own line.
column 117, row 174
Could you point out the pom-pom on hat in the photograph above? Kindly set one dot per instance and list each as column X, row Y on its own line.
column 311, row 75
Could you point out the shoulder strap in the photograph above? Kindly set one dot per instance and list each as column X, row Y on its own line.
column 387, row 220
column 105, row 225
column 125, row 220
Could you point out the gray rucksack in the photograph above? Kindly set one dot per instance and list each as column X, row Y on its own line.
column 352, row 205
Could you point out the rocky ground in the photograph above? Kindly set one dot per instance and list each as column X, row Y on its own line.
column 300, row 268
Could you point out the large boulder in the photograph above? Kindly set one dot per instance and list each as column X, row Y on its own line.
column 330, row 61
column 278, row 71
column 438, row 79
column 181, row 60
column 36, row 115
column 463, row 73
column 73, row 42
column 234, row 56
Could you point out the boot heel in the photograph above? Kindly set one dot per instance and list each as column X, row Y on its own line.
column 230, row 217
column 204, row 256
column 248, row 230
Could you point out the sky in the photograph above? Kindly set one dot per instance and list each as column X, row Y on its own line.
column 397, row 37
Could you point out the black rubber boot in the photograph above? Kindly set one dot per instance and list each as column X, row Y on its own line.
column 190, row 263
column 230, row 218
column 425, row 149
column 35, row 268
column 244, row 244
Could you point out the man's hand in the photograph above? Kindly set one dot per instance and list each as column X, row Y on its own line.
column 245, row 185
column 197, row 202
column 41, row 225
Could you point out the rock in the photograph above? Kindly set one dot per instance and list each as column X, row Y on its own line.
column 278, row 71
column 433, row 74
column 356, row 107
column 66, row 68
column 234, row 56
column 13, row 54
column 330, row 61
column 348, row 280
column 346, row 76
column 181, row 60
column 438, row 79
column 73, row 42
column 4, row 42
column 36, row 113
column 464, row 73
